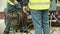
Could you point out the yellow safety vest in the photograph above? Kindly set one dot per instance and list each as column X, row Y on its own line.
column 39, row 4
column 9, row 1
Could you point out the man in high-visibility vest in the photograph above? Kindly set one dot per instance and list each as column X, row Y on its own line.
column 12, row 4
column 39, row 11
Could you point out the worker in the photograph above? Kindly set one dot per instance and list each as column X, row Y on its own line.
column 39, row 11
column 12, row 4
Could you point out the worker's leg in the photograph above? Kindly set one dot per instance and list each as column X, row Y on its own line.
column 37, row 19
column 45, row 22
column 6, row 21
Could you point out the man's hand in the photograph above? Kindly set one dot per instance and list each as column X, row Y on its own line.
column 15, row 2
column 25, row 9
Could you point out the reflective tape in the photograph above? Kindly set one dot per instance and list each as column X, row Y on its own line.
column 39, row 3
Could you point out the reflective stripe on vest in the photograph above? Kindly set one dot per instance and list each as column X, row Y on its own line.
column 8, row 1
column 39, row 4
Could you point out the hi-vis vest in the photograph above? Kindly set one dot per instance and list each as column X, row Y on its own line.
column 39, row 4
column 10, row 2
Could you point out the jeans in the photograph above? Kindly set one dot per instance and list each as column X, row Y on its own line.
column 6, row 10
column 13, row 6
column 40, row 20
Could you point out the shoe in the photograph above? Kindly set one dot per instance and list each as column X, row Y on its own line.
column 5, row 32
